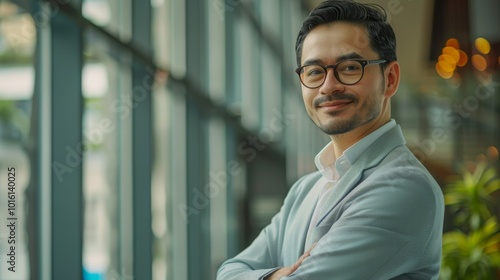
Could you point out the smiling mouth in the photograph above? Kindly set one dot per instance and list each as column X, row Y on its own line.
column 335, row 105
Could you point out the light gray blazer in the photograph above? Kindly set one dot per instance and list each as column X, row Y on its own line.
column 384, row 221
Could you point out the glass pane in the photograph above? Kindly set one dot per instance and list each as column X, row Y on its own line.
column 104, row 120
column 17, row 40
column 161, row 170
column 110, row 15
column 98, row 11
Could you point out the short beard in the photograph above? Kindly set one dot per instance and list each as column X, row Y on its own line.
column 342, row 127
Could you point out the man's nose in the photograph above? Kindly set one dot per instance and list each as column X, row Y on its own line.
column 331, row 84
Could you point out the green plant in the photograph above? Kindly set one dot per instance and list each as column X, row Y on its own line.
column 472, row 250
column 11, row 117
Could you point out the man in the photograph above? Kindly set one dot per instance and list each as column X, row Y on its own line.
column 372, row 211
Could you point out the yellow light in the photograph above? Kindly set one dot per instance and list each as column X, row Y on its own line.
column 447, row 67
column 451, row 51
column 441, row 72
column 452, row 42
column 448, row 59
column 482, row 45
column 479, row 62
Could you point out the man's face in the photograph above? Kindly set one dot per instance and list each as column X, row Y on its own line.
column 334, row 107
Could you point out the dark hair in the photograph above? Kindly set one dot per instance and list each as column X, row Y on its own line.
column 372, row 16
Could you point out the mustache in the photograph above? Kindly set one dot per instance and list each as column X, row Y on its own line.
column 338, row 96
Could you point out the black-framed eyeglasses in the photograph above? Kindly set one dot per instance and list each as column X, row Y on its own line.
column 348, row 72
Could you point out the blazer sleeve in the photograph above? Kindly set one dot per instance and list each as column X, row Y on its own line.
column 389, row 229
column 262, row 256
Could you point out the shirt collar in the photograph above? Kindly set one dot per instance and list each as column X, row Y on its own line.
column 334, row 168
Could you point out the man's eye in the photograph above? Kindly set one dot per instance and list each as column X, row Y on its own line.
column 348, row 68
column 315, row 72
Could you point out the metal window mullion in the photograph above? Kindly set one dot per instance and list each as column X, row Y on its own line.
column 43, row 174
column 67, row 145
column 198, row 249
column 197, row 150
column 142, row 80
column 177, row 194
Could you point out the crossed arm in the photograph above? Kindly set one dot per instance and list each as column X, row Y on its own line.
column 383, row 233
column 285, row 271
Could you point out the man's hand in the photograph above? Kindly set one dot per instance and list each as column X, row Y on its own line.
column 285, row 271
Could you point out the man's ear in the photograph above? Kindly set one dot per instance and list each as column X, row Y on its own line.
column 392, row 76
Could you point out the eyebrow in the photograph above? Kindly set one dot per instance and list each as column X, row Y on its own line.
column 353, row 55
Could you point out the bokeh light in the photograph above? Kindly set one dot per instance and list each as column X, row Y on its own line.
column 463, row 58
column 451, row 57
column 446, row 66
column 448, row 59
column 452, row 52
column 452, row 42
column 492, row 153
column 482, row 45
column 479, row 62
column 445, row 74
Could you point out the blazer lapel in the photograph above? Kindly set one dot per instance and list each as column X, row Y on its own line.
column 373, row 155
